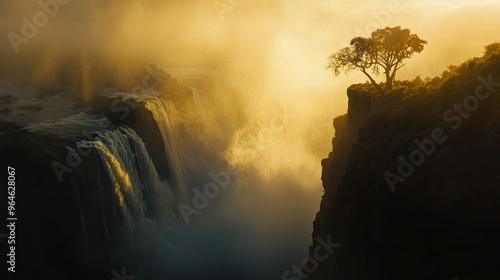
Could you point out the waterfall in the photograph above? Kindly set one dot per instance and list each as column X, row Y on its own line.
column 167, row 118
column 146, row 204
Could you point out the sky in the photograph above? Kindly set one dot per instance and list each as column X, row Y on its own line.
column 278, row 49
column 275, row 42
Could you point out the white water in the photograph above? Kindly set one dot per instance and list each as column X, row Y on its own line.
column 258, row 226
column 73, row 126
column 269, row 207
column 147, row 204
column 167, row 119
column 27, row 107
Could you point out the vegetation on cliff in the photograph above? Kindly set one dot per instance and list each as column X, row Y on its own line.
column 437, row 215
column 386, row 49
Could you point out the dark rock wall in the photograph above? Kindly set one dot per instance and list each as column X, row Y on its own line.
column 65, row 228
column 443, row 220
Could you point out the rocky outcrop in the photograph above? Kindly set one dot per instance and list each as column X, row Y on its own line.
column 134, row 115
column 439, row 221
column 66, row 228
column 53, row 214
column 365, row 103
column 362, row 104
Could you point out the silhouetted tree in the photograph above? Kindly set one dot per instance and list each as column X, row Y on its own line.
column 386, row 49
column 492, row 48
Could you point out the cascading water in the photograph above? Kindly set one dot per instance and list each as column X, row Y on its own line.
column 146, row 204
column 167, row 119
column 240, row 228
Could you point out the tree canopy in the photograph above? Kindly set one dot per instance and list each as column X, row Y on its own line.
column 385, row 50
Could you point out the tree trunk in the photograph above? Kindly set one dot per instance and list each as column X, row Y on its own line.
column 388, row 80
column 388, row 83
column 374, row 83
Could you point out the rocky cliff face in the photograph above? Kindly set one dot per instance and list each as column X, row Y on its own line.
column 362, row 104
column 141, row 120
column 439, row 218
column 68, row 228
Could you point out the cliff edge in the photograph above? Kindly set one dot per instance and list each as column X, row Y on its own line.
column 412, row 187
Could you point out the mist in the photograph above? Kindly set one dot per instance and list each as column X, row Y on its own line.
column 275, row 53
column 270, row 43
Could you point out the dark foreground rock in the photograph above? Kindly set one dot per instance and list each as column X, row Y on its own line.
column 436, row 216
